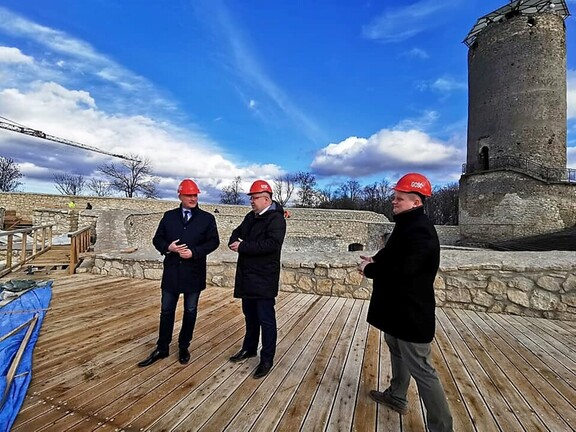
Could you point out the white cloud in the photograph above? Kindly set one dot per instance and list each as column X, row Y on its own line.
column 571, row 153
column 423, row 122
column 571, row 94
column 67, row 89
column 444, row 85
column 399, row 24
column 14, row 55
column 418, row 53
column 388, row 149
column 448, row 85
column 57, row 111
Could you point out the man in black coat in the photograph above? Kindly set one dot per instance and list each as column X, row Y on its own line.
column 185, row 236
column 403, row 304
column 258, row 242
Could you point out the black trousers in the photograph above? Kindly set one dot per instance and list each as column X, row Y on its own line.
column 260, row 315
column 167, row 314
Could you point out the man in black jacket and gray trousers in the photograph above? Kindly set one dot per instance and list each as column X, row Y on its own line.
column 185, row 236
column 258, row 242
column 403, row 305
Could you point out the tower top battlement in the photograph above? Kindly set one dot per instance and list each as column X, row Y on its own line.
column 514, row 8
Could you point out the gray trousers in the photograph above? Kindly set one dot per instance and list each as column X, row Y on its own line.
column 413, row 360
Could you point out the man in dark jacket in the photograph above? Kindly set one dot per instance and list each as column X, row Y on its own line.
column 403, row 305
column 258, row 241
column 185, row 236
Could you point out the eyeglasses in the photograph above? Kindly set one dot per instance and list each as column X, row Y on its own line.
column 253, row 198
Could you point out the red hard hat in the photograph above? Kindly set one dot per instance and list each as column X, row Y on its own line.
column 188, row 187
column 414, row 182
column 260, row 186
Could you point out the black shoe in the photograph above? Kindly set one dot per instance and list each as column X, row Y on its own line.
column 262, row 370
column 183, row 356
column 242, row 355
column 156, row 355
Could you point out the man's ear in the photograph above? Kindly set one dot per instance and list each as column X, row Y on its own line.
column 417, row 200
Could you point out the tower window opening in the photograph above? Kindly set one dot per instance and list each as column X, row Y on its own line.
column 484, row 159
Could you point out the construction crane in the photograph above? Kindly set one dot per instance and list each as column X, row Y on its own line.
column 8, row 125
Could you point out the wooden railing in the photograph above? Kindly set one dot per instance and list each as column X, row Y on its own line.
column 79, row 242
column 41, row 239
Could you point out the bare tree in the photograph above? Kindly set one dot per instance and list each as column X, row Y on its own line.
column 284, row 187
column 349, row 195
column 132, row 177
column 9, row 175
column 100, row 187
column 69, row 184
column 308, row 196
column 231, row 194
column 442, row 206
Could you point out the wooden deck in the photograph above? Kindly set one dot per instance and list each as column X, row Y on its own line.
column 500, row 372
column 56, row 258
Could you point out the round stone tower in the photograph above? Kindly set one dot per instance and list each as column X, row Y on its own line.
column 515, row 182
column 517, row 92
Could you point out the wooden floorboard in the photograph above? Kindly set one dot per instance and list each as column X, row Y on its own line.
column 500, row 372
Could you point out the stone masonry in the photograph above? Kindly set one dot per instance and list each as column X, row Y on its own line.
column 522, row 283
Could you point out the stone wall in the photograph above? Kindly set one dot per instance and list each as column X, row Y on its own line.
column 307, row 229
column 26, row 203
column 521, row 283
column 503, row 205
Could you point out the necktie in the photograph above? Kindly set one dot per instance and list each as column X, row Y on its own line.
column 186, row 215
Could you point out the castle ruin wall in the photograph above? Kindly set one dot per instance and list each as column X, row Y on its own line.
column 503, row 205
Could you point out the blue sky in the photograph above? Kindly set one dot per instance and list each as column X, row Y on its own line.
column 214, row 89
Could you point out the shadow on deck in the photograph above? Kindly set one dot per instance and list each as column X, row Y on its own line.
column 500, row 372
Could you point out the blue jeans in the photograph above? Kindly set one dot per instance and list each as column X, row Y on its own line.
column 260, row 314
column 167, row 314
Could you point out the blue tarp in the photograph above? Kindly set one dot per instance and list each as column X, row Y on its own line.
column 16, row 313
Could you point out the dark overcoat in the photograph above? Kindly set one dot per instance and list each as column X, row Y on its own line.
column 258, row 268
column 403, row 273
column 200, row 234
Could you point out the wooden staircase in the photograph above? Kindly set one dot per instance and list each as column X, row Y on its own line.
column 12, row 221
column 55, row 260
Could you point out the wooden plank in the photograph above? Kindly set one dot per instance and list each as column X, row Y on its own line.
column 442, row 361
column 462, row 366
column 317, row 418
column 328, row 359
column 365, row 412
column 544, row 401
column 386, row 419
column 234, row 403
column 342, row 415
column 555, row 329
column 562, row 365
column 295, row 412
column 196, row 407
column 272, row 386
column 271, row 415
column 504, row 375
column 536, row 367
column 564, row 342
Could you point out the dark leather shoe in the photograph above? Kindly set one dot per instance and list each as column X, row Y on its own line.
column 262, row 370
column 242, row 355
column 183, row 356
column 156, row 355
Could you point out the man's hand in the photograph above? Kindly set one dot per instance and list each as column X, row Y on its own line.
column 234, row 245
column 365, row 261
column 366, row 258
column 180, row 248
